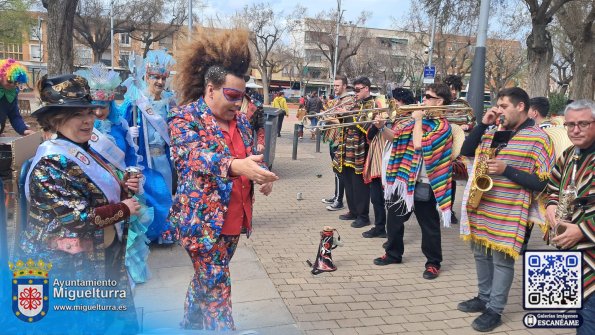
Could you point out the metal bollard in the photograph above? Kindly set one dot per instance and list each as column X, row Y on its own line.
column 318, row 138
column 296, row 130
column 268, row 132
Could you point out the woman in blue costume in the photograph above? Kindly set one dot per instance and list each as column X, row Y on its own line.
column 145, row 107
column 112, row 140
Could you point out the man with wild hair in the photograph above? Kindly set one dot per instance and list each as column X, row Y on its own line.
column 212, row 151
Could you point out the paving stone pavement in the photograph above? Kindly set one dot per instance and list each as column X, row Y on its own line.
column 275, row 293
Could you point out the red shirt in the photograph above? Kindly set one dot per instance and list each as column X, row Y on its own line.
column 239, row 211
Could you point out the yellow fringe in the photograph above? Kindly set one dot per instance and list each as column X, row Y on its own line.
column 491, row 245
column 543, row 175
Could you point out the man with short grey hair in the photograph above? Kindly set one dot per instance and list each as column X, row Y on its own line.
column 576, row 167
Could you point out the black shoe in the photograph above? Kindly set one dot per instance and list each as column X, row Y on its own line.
column 278, row 135
column 328, row 201
column 386, row 260
column 374, row 232
column 335, row 206
column 360, row 224
column 487, row 322
column 453, row 218
column 431, row 272
column 348, row 216
column 474, row 305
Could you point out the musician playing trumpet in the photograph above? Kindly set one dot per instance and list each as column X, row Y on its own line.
column 575, row 170
column 519, row 168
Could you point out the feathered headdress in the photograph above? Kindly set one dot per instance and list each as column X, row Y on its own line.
column 102, row 81
column 158, row 62
column 226, row 48
column 13, row 71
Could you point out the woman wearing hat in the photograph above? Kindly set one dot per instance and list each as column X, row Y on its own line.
column 76, row 198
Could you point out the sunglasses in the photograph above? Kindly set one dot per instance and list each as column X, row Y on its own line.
column 429, row 96
column 358, row 89
column 233, row 95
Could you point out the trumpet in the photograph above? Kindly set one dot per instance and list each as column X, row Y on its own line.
column 392, row 113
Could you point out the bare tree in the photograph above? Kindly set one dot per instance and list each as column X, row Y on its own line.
column 92, row 24
column 539, row 44
column 267, row 29
column 505, row 60
column 456, row 27
column 298, row 65
column 577, row 19
column 561, row 71
column 60, row 31
column 157, row 20
column 322, row 34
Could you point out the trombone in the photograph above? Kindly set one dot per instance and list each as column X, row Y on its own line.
column 392, row 113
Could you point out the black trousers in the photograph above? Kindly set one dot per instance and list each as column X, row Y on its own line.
column 377, row 198
column 429, row 222
column 280, row 123
column 339, row 184
column 358, row 194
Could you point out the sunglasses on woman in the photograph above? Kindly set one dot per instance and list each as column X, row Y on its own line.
column 232, row 95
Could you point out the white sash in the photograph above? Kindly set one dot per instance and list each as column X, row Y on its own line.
column 104, row 180
column 154, row 119
column 108, row 149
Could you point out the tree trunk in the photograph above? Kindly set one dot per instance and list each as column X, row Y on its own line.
column 540, row 57
column 582, row 82
column 265, row 84
column 60, row 31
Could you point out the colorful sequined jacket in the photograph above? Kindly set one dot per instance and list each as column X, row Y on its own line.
column 202, row 161
column 66, row 204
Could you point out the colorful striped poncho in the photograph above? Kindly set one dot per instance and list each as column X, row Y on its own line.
column 585, row 219
column 403, row 164
column 500, row 220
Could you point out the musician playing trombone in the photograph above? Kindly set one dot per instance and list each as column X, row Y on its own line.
column 417, row 178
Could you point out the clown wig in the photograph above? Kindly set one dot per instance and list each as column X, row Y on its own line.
column 13, row 71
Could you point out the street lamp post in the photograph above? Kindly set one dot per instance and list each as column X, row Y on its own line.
column 339, row 16
column 477, row 82
column 189, row 19
column 111, row 14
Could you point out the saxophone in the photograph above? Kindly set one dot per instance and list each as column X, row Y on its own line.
column 567, row 196
column 482, row 181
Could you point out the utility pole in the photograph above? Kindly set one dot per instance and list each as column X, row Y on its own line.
column 477, row 82
column 111, row 14
column 339, row 16
column 189, row 19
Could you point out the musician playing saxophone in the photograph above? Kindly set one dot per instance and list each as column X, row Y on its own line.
column 575, row 167
column 496, row 228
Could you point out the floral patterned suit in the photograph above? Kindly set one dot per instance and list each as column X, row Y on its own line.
column 202, row 160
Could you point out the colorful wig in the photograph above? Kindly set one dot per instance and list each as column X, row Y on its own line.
column 13, row 71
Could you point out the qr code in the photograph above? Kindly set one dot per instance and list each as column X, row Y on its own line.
column 553, row 280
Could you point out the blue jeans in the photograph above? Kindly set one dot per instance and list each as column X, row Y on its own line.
column 588, row 314
column 495, row 271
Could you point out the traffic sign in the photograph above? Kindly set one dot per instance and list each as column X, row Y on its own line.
column 429, row 74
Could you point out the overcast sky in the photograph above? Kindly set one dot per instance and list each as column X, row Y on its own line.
column 382, row 10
